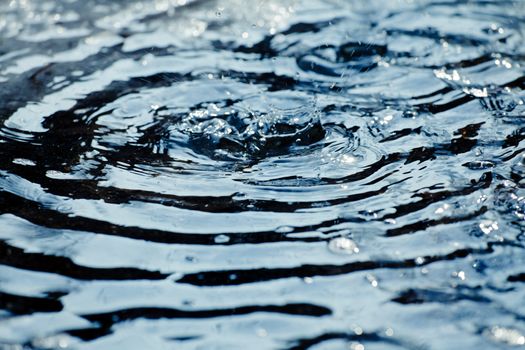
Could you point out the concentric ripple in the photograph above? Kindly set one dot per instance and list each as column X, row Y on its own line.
column 270, row 175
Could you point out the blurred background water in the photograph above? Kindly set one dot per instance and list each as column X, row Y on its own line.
column 293, row 174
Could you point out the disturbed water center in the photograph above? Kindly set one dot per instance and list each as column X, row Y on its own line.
column 224, row 174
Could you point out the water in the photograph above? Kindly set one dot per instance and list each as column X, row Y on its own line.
column 264, row 175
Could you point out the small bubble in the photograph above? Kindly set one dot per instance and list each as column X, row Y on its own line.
column 506, row 64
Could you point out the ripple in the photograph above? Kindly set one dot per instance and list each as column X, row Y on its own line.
column 309, row 174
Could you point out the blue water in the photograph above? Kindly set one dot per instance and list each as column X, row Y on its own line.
column 297, row 174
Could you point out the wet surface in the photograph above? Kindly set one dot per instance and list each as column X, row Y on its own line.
column 280, row 175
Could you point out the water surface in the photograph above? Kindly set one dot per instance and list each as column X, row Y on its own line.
column 262, row 175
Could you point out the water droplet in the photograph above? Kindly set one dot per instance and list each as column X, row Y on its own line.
column 357, row 346
column 488, row 226
column 442, row 209
column 459, row 274
column 343, row 245
column 476, row 92
column 506, row 335
column 372, row 280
